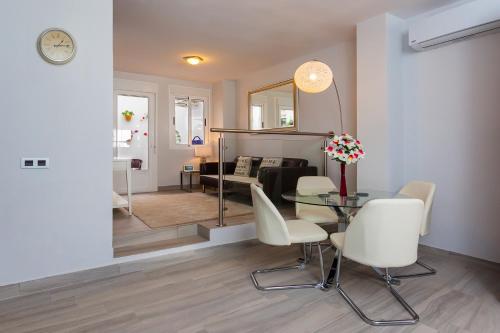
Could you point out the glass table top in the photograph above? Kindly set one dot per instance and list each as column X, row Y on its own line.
column 333, row 199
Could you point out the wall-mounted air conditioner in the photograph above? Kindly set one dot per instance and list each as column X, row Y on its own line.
column 467, row 20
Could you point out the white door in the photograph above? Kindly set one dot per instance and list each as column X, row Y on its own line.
column 134, row 137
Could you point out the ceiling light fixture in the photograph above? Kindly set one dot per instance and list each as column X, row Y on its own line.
column 193, row 60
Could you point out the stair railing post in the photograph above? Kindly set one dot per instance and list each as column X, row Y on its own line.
column 221, row 179
column 325, row 158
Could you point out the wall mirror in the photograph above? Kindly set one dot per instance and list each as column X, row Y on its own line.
column 273, row 107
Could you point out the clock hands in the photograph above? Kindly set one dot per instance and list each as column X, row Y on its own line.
column 61, row 44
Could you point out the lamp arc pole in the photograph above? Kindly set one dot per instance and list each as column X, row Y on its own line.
column 314, row 77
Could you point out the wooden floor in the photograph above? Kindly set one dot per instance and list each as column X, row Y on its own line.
column 210, row 290
column 132, row 236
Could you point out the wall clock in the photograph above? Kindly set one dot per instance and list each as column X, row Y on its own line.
column 56, row 46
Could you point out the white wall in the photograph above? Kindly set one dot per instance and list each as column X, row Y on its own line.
column 59, row 219
column 317, row 112
column 379, row 102
column 224, row 116
column 170, row 161
column 448, row 126
column 452, row 133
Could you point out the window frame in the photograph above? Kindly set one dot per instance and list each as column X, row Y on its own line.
column 190, row 94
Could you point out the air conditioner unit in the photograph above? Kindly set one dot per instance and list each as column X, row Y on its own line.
column 467, row 20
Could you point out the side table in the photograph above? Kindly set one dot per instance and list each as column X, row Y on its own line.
column 190, row 174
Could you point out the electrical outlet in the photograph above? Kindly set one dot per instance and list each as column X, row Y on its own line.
column 34, row 163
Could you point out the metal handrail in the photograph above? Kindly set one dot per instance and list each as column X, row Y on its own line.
column 221, row 149
column 273, row 132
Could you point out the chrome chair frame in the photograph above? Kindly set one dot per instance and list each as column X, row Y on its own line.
column 428, row 200
column 320, row 284
column 396, row 322
column 395, row 279
column 430, row 271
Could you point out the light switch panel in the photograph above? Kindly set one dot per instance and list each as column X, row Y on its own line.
column 34, row 163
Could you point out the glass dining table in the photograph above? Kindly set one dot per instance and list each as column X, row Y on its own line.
column 345, row 207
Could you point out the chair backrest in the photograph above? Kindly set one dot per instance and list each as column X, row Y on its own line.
column 425, row 192
column 313, row 185
column 270, row 225
column 385, row 232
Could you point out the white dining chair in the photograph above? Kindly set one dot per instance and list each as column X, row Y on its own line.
column 425, row 192
column 314, row 185
column 272, row 229
column 384, row 233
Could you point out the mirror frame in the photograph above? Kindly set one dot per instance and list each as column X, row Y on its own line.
column 295, row 126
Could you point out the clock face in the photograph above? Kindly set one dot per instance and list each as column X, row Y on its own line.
column 56, row 46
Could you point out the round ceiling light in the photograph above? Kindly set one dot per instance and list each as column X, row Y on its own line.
column 313, row 77
column 193, row 60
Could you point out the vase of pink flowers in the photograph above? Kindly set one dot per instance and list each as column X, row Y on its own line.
column 346, row 150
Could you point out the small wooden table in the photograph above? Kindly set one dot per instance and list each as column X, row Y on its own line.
column 190, row 173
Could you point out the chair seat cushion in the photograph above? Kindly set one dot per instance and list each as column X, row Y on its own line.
column 316, row 214
column 338, row 240
column 301, row 231
column 236, row 179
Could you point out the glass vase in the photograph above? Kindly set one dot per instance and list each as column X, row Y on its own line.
column 343, row 185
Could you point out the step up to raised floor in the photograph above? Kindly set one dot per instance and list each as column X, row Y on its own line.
column 127, row 250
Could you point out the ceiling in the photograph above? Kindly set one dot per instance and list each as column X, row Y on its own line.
column 236, row 37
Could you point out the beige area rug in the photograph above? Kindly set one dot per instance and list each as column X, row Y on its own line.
column 167, row 209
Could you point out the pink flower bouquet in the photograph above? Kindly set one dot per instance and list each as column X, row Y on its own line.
column 345, row 149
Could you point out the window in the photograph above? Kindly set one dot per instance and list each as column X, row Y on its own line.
column 190, row 120
column 257, row 121
column 286, row 117
column 198, row 119
column 181, row 121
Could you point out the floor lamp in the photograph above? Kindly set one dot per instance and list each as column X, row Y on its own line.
column 314, row 77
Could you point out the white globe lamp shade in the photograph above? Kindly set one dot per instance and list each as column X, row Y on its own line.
column 313, row 77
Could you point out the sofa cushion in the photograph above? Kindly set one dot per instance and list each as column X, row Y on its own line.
column 236, row 179
column 270, row 162
column 294, row 162
column 256, row 161
column 243, row 166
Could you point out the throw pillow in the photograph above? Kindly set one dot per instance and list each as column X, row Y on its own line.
column 243, row 166
column 270, row 162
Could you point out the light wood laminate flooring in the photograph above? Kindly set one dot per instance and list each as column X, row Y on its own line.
column 209, row 290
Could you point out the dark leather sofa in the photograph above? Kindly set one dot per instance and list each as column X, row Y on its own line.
column 275, row 180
